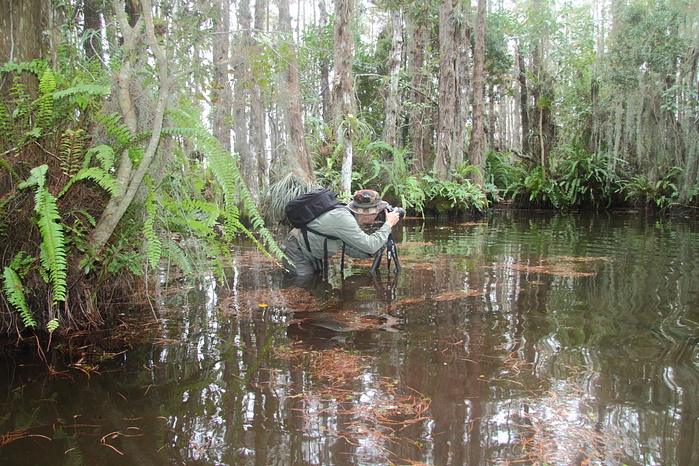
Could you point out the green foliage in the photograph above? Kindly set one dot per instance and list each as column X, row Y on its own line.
column 641, row 191
column 453, row 195
column 53, row 250
column 586, row 180
column 14, row 290
column 83, row 95
column 399, row 183
column 499, row 174
column 224, row 168
column 154, row 246
column 104, row 179
column 537, row 187
column 44, row 104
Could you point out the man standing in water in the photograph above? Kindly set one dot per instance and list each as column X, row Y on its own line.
column 326, row 234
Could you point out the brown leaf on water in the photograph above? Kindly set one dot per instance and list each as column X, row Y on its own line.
column 452, row 295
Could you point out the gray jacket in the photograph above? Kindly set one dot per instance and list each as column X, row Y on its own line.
column 339, row 223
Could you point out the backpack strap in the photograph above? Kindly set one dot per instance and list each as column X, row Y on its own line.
column 322, row 264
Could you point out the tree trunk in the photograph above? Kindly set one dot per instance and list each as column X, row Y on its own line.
column 524, row 103
column 476, row 148
column 21, row 39
column 222, row 95
column 343, row 88
column 324, row 64
column 92, row 29
column 297, row 153
column 129, row 178
column 241, row 94
column 463, row 85
column 446, row 120
column 258, row 126
column 390, row 128
column 419, row 134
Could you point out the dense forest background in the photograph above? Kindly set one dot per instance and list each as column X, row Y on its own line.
column 138, row 131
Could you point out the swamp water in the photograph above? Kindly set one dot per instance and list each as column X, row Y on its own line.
column 521, row 339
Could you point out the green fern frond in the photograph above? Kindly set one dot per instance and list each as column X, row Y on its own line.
column 36, row 67
column 116, row 129
column 14, row 290
column 83, row 89
column 136, row 154
column 210, row 211
column 71, row 151
column 6, row 127
column 225, row 169
column 175, row 254
column 37, row 177
column 104, row 154
column 53, row 249
column 44, row 104
column 104, row 179
column 52, row 325
column 154, row 247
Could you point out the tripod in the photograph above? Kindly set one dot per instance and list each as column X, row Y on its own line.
column 391, row 254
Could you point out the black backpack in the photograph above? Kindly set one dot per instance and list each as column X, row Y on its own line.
column 306, row 207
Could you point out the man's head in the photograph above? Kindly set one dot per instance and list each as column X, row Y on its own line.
column 367, row 204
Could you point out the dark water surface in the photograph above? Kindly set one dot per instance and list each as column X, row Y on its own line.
column 521, row 339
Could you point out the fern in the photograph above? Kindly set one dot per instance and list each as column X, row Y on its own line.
column 154, row 247
column 52, row 325
column 71, row 151
column 178, row 256
column 115, row 128
column 53, row 250
column 44, row 104
column 14, row 290
column 225, row 169
column 6, row 125
column 104, row 154
column 104, row 179
column 79, row 92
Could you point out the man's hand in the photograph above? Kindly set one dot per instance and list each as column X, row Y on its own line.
column 392, row 218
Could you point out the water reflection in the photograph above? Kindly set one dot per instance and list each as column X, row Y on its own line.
column 534, row 339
